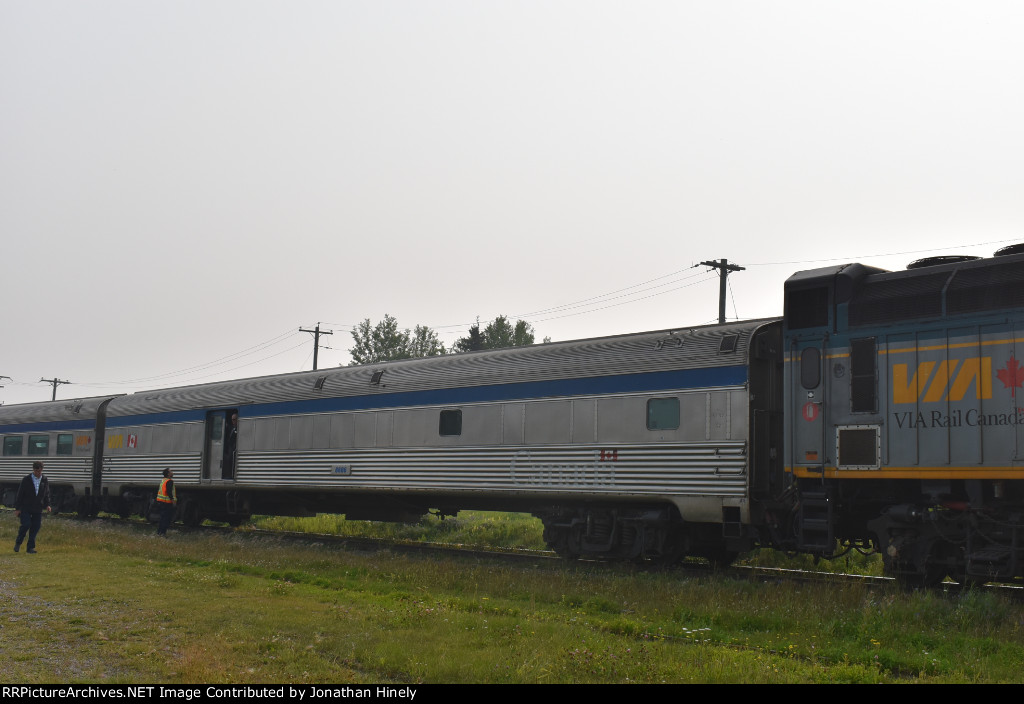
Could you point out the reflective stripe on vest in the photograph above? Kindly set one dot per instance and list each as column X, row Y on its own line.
column 162, row 496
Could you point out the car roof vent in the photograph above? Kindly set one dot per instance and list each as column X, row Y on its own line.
column 936, row 261
column 1010, row 249
column 728, row 343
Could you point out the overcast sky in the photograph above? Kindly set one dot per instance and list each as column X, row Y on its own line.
column 184, row 184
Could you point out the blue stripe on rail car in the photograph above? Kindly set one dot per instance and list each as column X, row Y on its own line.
column 590, row 386
column 52, row 426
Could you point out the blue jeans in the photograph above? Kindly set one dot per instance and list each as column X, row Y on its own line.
column 166, row 518
column 30, row 523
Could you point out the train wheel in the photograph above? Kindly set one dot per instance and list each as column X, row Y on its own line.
column 667, row 558
column 191, row 513
column 562, row 549
column 559, row 538
column 929, row 579
column 972, row 582
column 910, row 574
column 716, row 553
column 664, row 545
column 720, row 559
column 85, row 509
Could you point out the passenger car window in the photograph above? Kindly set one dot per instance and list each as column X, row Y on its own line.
column 450, row 423
column 38, row 444
column 65, row 443
column 12, row 444
column 663, row 414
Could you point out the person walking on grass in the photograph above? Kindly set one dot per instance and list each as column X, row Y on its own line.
column 33, row 498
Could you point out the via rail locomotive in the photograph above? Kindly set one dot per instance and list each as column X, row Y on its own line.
column 878, row 413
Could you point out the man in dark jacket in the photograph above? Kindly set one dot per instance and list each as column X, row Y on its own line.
column 33, row 498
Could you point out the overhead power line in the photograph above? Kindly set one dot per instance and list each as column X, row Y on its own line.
column 220, row 362
column 56, row 382
column 585, row 302
column 316, row 340
column 857, row 257
column 724, row 269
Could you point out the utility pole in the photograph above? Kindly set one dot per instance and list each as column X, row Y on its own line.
column 55, row 381
column 316, row 340
column 9, row 379
column 724, row 267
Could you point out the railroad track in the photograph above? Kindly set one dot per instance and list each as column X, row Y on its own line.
column 691, row 568
column 695, row 568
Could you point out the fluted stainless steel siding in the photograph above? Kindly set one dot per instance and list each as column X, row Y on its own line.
column 699, row 469
column 61, row 469
column 148, row 469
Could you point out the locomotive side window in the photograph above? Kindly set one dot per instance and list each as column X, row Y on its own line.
column 863, row 376
column 663, row 414
column 450, row 423
column 65, row 443
column 807, row 308
column 38, row 444
column 12, row 445
column 810, row 368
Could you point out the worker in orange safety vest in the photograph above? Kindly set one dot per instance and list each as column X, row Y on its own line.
column 167, row 500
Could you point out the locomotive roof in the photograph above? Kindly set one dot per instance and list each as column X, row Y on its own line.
column 942, row 266
column 935, row 288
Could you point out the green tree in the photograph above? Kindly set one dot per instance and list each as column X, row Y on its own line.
column 499, row 333
column 471, row 343
column 523, row 334
column 384, row 342
column 424, row 343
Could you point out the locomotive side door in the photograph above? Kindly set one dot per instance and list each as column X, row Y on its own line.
column 221, row 445
column 808, row 407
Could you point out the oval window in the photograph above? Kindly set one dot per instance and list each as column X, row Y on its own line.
column 810, row 368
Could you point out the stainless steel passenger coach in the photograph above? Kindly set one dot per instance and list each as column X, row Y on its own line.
column 630, row 446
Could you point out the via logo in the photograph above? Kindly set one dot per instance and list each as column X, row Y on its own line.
column 951, row 380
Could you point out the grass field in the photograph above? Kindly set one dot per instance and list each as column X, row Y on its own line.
column 106, row 602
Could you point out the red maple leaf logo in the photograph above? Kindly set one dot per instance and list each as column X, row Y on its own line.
column 1012, row 376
